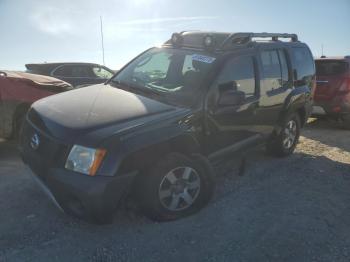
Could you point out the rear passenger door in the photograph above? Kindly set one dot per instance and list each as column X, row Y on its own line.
column 276, row 83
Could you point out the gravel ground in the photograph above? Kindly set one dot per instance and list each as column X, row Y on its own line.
column 289, row 209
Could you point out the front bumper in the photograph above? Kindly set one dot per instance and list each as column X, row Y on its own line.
column 91, row 198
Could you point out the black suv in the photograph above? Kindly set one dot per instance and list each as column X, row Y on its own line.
column 77, row 74
column 155, row 128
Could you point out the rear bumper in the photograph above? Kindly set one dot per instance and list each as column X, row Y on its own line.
column 333, row 109
column 91, row 198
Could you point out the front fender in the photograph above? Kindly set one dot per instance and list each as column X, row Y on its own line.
column 139, row 149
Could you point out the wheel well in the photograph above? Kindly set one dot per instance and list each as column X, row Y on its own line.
column 20, row 110
column 142, row 159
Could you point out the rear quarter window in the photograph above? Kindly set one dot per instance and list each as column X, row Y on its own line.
column 331, row 67
column 303, row 63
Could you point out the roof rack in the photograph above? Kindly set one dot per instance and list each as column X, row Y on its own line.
column 245, row 38
column 222, row 41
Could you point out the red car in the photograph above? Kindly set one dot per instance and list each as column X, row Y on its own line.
column 17, row 92
column 332, row 94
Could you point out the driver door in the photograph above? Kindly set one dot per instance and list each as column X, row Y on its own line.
column 232, row 104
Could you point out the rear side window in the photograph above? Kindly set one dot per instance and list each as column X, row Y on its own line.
column 331, row 67
column 304, row 63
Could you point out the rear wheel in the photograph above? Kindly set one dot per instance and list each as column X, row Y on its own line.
column 177, row 186
column 285, row 142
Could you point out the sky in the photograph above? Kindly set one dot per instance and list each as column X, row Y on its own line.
column 65, row 30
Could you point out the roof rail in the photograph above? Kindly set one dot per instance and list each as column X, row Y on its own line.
column 245, row 38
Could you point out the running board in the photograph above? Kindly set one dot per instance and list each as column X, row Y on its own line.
column 235, row 147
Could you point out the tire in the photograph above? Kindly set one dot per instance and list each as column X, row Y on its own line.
column 177, row 186
column 278, row 145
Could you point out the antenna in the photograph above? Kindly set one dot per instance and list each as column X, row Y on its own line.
column 322, row 50
column 103, row 48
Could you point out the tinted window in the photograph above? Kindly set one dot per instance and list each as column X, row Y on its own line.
column 331, row 67
column 271, row 69
column 60, row 71
column 304, row 63
column 240, row 70
column 73, row 71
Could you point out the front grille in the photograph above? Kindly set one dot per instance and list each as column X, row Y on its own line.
column 49, row 154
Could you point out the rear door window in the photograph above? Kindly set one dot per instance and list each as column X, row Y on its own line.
column 331, row 67
column 271, row 69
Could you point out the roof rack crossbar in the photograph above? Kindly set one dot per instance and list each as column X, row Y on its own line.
column 244, row 38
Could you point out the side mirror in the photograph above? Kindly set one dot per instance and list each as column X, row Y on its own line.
column 229, row 95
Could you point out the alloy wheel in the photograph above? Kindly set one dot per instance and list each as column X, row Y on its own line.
column 289, row 134
column 179, row 188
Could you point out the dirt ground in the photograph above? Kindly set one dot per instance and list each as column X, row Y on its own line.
column 281, row 209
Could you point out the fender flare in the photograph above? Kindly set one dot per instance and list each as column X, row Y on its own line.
column 296, row 102
column 140, row 158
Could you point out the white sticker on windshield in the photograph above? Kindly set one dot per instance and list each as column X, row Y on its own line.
column 203, row 58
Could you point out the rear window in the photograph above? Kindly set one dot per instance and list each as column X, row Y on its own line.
column 329, row 67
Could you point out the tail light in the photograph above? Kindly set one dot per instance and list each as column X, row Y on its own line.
column 345, row 87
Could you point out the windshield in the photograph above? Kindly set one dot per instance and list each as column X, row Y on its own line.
column 174, row 75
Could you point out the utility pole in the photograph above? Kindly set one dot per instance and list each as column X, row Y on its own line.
column 103, row 48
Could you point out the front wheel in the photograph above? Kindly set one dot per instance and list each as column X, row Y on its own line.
column 285, row 142
column 177, row 186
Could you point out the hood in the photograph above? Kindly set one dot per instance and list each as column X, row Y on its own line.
column 39, row 80
column 75, row 113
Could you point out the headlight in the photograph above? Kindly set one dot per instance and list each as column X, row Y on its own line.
column 85, row 160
